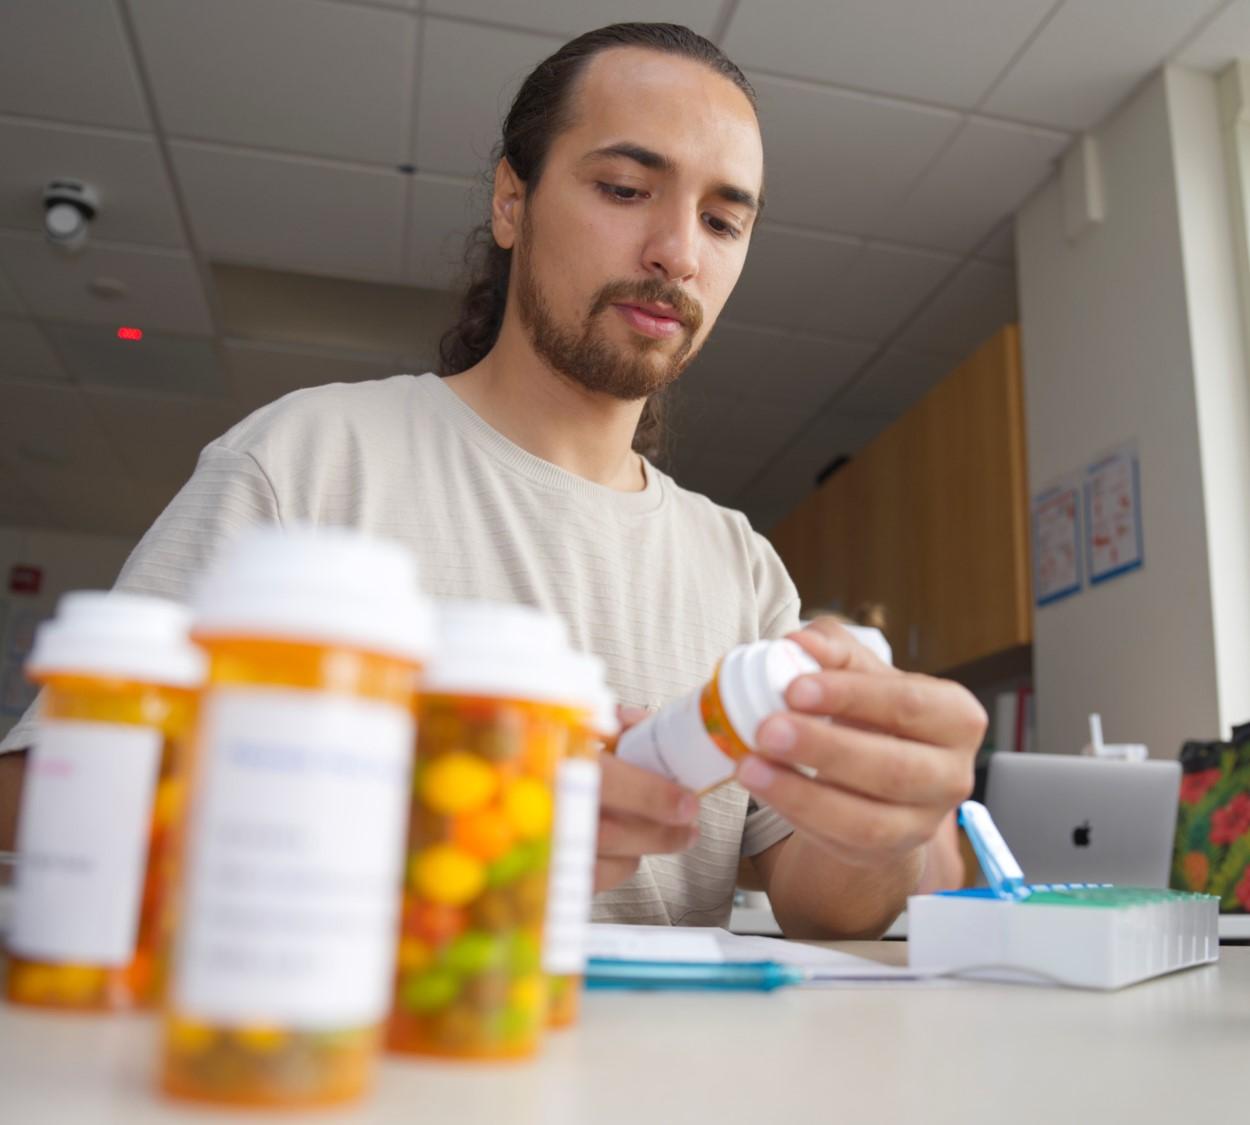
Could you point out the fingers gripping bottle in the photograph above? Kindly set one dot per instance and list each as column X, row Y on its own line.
column 698, row 740
column 102, row 801
column 576, row 834
column 298, row 800
column 495, row 719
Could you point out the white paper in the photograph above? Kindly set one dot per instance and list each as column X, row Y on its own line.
column 295, row 860
column 1113, row 515
column 572, row 866
column 83, row 841
column 711, row 945
column 1056, row 542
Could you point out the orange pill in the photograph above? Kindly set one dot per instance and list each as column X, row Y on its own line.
column 485, row 834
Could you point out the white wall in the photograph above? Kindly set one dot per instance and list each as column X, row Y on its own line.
column 69, row 562
column 1132, row 332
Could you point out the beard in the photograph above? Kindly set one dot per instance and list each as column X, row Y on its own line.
column 636, row 369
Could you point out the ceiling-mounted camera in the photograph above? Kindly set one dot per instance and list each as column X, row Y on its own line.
column 68, row 208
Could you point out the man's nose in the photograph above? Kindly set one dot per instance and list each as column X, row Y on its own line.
column 672, row 250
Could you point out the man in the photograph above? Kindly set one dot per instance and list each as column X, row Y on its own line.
column 630, row 180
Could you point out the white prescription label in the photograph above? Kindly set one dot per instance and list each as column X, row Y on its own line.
column 572, row 866
column 675, row 744
column 83, row 841
column 294, row 864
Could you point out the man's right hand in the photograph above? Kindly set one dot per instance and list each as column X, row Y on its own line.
column 640, row 813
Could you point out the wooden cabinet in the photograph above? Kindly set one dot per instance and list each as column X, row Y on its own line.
column 930, row 520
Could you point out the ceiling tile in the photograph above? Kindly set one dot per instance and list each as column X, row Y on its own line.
column 441, row 215
column 469, row 75
column 842, row 161
column 882, row 287
column 796, row 372
column 25, row 355
column 983, row 176
column 297, row 75
column 51, row 428
column 97, row 502
column 948, row 53
column 163, row 287
column 1090, row 56
column 93, row 80
column 136, row 202
column 9, row 304
column 157, row 439
column 1225, row 38
column 572, row 17
column 974, row 304
column 176, row 365
column 1000, row 246
column 263, row 372
column 894, row 382
column 786, row 275
column 292, row 213
column 790, row 474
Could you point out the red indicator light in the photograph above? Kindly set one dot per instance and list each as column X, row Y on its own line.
column 130, row 333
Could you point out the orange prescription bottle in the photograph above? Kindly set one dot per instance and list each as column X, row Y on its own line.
column 102, row 800
column 297, row 805
column 495, row 718
column 576, row 834
column 698, row 740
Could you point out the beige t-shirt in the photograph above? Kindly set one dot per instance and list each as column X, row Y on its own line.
column 659, row 583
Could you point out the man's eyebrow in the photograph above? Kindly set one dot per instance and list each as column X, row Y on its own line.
column 658, row 162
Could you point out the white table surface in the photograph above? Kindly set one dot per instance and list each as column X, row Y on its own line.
column 1176, row 1049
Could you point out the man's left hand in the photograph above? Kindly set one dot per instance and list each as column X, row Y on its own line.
column 897, row 757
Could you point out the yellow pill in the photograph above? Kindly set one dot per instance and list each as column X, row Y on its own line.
column 527, row 805
column 527, row 994
column 457, row 782
column 261, row 1040
column 189, row 1038
column 414, row 955
column 447, row 875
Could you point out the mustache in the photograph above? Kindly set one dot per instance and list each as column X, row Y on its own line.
column 647, row 292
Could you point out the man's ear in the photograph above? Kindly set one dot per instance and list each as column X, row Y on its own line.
column 507, row 204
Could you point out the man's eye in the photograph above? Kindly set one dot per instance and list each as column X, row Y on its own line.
column 619, row 191
column 722, row 228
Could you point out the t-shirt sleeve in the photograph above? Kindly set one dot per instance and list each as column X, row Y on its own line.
column 228, row 493
column 778, row 602
column 775, row 592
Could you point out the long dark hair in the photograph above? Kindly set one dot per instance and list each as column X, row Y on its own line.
column 540, row 112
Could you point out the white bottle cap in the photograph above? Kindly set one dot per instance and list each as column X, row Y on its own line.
column 325, row 585
column 753, row 680
column 501, row 650
column 594, row 695
column 119, row 635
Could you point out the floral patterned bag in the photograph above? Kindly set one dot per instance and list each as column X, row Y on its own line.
column 1212, row 852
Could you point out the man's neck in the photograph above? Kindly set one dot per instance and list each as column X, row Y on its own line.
column 552, row 417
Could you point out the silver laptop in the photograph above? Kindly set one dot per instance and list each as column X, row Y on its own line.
column 1071, row 819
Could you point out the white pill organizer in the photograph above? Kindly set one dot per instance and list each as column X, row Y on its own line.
column 1082, row 935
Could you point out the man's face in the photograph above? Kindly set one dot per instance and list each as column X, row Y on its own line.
column 638, row 230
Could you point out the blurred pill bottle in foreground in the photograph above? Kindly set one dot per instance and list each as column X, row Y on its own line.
column 102, row 801
column 698, row 740
column 296, row 811
column 576, row 835
column 495, row 718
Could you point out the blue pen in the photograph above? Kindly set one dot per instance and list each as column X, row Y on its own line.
column 741, row 976
column 1003, row 873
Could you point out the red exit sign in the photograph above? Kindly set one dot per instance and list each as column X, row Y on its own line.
column 25, row 579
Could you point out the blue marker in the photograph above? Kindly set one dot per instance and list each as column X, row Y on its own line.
column 739, row 976
column 1002, row 872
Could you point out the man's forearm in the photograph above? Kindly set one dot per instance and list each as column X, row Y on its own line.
column 816, row 896
column 12, row 771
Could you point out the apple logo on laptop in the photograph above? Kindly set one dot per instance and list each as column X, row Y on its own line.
column 1080, row 835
